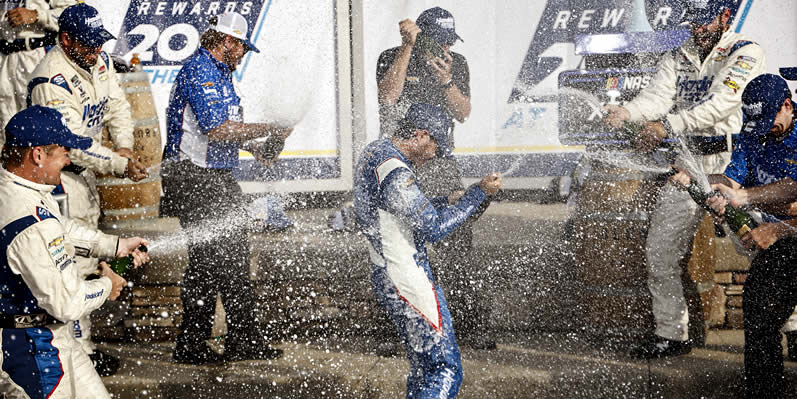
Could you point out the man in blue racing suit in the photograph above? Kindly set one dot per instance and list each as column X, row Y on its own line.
column 398, row 221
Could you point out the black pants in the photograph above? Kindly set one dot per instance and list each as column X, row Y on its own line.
column 210, row 206
column 770, row 294
column 455, row 267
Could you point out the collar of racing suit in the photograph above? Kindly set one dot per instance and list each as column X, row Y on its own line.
column 42, row 188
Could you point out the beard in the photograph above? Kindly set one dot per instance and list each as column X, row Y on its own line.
column 706, row 41
column 231, row 62
column 80, row 60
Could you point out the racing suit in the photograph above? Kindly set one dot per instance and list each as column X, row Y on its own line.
column 26, row 44
column 42, row 292
column 88, row 101
column 702, row 100
column 770, row 292
column 398, row 221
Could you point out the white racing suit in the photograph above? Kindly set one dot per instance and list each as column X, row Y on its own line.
column 42, row 292
column 88, row 102
column 16, row 67
column 398, row 221
column 697, row 99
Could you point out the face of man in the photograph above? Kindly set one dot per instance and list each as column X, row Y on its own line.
column 83, row 55
column 783, row 120
column 425, row 147
column 234, row 51
column 707, row 36
column 51, row 160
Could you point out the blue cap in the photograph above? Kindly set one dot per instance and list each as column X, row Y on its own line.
column 761, row 102
column 38, row 126
column 703, row 12
column 788, row 73
column 438, row 24
column 83, row 22
column 434, row 120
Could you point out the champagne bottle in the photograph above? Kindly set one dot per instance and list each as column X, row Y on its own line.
column 738, row 220
column 121, row 266
column 429, row 47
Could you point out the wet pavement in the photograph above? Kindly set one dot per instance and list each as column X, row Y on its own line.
column 540, row 366
column 547, row 348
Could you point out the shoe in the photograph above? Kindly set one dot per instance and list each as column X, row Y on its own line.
column 791, row 345
column 658, row 347
column 254, row 353
column 201, row 354
column 105, row 364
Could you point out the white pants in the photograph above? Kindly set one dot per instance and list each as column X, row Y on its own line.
column 83, row 206
column 48, row 360
column 15, row 71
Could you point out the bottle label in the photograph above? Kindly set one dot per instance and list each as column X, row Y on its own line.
column 743, row 230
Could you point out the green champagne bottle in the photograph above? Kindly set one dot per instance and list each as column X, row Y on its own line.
column 738, row 220
column 121, row 266
column 429, row 47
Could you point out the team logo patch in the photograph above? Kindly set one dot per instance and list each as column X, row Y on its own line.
column 54, row 243
column 732, row 84
column 42, row 213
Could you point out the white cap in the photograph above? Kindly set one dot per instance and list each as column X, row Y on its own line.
column 235, row 25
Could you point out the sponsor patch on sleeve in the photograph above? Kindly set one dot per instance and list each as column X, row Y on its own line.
column 43, row 213
column 743, row 65
column 60, row 80
column 732, row 84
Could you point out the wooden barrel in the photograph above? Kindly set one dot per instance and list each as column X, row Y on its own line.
column 607, row 233
column 123, row 199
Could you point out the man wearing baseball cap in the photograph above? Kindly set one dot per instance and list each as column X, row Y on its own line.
column 42, row 292
column 398, row 220
column 695, row 96
column 78, row 79
column 424, row 70
column 26, row 28
column 762, row 175
column 205, row 131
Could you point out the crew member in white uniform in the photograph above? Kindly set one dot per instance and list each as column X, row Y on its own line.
column 42, row 290
column 26, row 28
column 695, row 95
column 79, row 80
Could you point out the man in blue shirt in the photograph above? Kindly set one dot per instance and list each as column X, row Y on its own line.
column 763, row 163
column 398, row 221
column 205, row 131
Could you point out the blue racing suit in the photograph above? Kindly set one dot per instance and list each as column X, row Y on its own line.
column 770, row 291
column 398, row 221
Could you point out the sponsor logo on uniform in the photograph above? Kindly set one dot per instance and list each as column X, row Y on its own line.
column 791, row 162
column 209, row 91
column 692, row 89
column 54, row 103
column 739, row 70
column 102, row 69
column 54, row 243
column 95, row 294
column 207, row 84
column 743, row 65
column 58, row 79
column 732, row 84
column 43, row 213
column 613, row 83
column 29, row 320
column 747, row 59
column 413, row 79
